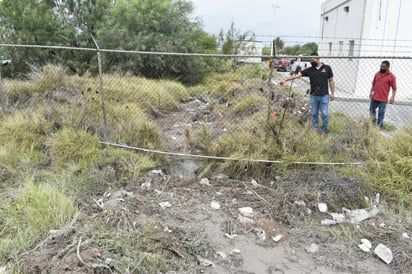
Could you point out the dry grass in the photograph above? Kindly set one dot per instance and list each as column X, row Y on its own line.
column 51, row 128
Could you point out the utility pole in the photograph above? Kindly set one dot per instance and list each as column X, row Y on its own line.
column 274, row 6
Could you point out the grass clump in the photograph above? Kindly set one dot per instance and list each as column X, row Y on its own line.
column 390, row 168
column 30, row 212
column 149, row 248
column 69, row 147
column 251, row 104
column 153, row 96
column 26, row 130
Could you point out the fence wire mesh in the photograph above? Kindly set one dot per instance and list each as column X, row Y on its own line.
column 149, row 108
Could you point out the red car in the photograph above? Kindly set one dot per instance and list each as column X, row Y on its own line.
column 281, row 64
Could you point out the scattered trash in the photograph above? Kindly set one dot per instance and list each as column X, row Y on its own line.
column 97, row 251
column 221, row 254
column 245, row 220
column 377, row 197
column 254, row 183
column 358, row 215
column 261, row 234
column 300, row 203
column 230, row 236
column 246, row 211
column 113, row 202
column 352, row 216
column 338, row 217
column 205, row 262
column 405, row 235
column 328, row 222
column 382, row 225
column 365, row 245
column 222, row 176
column 323, row 207
column 215, row 205
column 235, row 250
column 313, row 248
column 204, row 182
column 364, row 248
column 277, row 237
column 120, row 193
column 165, row 205
column 156, row 172
column 147, row 185
column 384, row 253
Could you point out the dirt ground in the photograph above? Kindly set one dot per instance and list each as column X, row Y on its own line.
column 204, row 217
column 222, row 225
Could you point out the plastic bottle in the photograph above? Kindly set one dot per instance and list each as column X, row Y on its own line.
column 377, row 197
column 328, row 222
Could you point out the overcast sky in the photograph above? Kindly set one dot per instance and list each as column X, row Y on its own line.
column 266, row 18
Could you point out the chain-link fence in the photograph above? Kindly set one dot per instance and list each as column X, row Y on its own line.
column 226, row 91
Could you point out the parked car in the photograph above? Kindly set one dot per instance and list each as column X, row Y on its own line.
column 303, row 62
column 281, row 64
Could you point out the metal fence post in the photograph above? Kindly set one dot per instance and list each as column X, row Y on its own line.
column 270, row 93
column 99, row 61
column 2, row 64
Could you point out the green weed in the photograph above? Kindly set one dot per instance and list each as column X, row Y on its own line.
column 29, row 213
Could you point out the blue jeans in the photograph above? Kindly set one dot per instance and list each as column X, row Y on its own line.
column 381, row 106
column 320, row 103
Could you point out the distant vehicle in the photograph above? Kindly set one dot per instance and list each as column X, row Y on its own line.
column 303, row 62
column 281, row 64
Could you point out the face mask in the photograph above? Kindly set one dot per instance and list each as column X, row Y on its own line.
column 314, row 64
column 383, row 70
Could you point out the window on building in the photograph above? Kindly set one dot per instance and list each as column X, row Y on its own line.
column 330, row 48
column 340, row 53
column 326, row 18
column 351, row 48
column 346, row 9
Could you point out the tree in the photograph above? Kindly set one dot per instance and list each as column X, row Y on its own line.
column 155, row 26
column 79, row 20
column 28, row 22
column 306, row 49
column 51, row 22
column 279, row 45
column 137, row 25
column 237, row 43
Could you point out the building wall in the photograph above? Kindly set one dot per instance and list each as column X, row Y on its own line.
column 341, row 31
column 364, row 28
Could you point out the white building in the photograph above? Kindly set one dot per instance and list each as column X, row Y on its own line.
column 251, row 49
column 367, row 28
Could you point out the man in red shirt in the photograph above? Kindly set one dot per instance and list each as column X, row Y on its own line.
column 381, row 84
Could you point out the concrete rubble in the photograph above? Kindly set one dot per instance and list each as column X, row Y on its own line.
column 384, row 253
